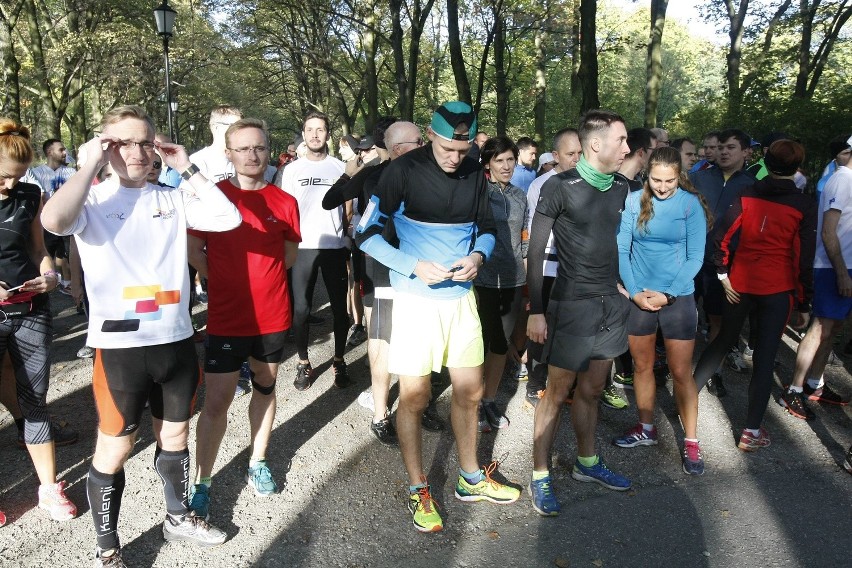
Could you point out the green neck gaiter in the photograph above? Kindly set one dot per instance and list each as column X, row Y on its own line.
column 599, row 181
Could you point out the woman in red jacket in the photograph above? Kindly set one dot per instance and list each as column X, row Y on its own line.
column 774, row 226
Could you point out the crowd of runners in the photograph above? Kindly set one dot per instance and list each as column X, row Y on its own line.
column 586, row 270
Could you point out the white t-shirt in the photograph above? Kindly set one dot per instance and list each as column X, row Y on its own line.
column 836, row 195
column 308, row 181
column 132, row 244
column 550, row 262
column 215, row 166
column 50, row 180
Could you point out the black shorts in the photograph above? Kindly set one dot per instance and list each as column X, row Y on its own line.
column 125, row 379
column 498, row 310
column 376, row 275
column 712, row 293
column 57, row 247
column 678, row 321
column 381, row 320
column 581, row 330
column 357, row 264
column 227, row 354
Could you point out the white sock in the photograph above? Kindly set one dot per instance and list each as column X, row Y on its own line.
column 795, row 389
column 647, row 427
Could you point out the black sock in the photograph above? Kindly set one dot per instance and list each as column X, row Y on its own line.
column 104, row 491
column 173, row 469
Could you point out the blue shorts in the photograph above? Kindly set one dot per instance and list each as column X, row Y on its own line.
column 828, row 303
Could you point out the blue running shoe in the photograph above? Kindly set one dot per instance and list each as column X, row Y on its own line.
column 600, row 473
column 637, row 436
column 693, row 463
column 199, row 500
column 260, row 479
column 543, row 500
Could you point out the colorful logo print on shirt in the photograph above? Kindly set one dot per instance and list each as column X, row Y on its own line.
column 148, row 301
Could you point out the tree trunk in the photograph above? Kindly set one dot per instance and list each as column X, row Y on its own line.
column 588, row 74
column 575, row 49
column 371, row 80
column 500, row 71
column 811, row 67
column 40, row 74
column 540, row 89
column 654, row 62
column 736, row 18
column 456, row 56
column 10, row 99
column 403, row 102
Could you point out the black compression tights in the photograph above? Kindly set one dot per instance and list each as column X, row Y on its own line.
column 771, row 313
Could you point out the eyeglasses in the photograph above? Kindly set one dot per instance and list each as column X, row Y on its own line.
column 131, row 145
column 247, row 149
column 225, row 124
column 418, row 142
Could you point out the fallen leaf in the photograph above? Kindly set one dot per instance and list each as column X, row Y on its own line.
column 725, row 513
column 597, row 563
column 562, row 562
column 493, row 535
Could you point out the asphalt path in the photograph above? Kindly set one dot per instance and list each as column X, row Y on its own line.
column 343, row 494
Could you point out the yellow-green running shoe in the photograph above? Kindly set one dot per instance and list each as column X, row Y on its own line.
column 613, row 398
column 424, row 511
column 487, row 489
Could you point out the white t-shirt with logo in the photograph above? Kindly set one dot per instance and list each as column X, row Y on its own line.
column 132, row 244
column 50, row 180
column 308, row 181
column 836, row 195
column 215, row 166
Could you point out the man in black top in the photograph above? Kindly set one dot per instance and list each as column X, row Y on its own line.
column 585, row 324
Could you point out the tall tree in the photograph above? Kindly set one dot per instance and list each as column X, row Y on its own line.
column 812, row 62
column 654, row 65
column 456, row 55
column 588, row 72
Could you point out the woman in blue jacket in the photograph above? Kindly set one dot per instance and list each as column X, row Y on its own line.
column 661, row 249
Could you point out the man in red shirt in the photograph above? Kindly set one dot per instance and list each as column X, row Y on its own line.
column 249, row 307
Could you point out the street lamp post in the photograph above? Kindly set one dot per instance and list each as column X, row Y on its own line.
column 174, row 106
column 165, row 18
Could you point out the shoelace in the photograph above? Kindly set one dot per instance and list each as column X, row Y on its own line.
column 57, row 492
column 692, row 452
column 491, row 468
column 425, row 499
column 545, row 489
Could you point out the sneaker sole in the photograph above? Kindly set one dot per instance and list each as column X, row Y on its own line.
column 434, row 529
column 475, row 498
column 623, row 385
column 635, row 444
column 825, row 401
column 752, row 447
column 589, row 479
column 537, row 510
column 616, row 407
column 171, row 537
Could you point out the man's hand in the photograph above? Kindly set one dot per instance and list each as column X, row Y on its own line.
column 647, row 300
column 353, row 166
column 537, row 328
column 732, row 295
column 469, row 268
column 173, row 155
column 799, row 320
column 844, row 284
column 431, row 272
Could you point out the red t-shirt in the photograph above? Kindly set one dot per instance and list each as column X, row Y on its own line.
column 247, row 278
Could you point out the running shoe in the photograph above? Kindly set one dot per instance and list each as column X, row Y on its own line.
column 847, row 463
column 794, row 403
column 51, row 498
column 192, row 528
column 385, row 432
column 365, row 400
column 824, row 394
column 693, row 463
column 431, row 420
column 109, row 558
column 543, row 499
column 624, row 380
column 304, row 377
column 199, row 500
column 523, row 373
column 613, row 398
column 490, row 418
column 260, row 479
column 601, row 474
column 735, row 361
column 244, row 381
column 716, row 386
column 85, row 352
column 341, row 377
column 60, row 431
column 357, row 336
column 637, row 436
column 424, row 511
column 748, row 355
column 750, row 442
column 2, row 518
column 486, row 490
column 64, row 289
column 532, row 398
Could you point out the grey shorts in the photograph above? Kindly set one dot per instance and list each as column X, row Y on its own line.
column 581, row 330
column 678, row 321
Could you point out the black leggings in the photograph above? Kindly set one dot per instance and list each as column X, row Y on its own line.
column 771, row 313
column 303, row 279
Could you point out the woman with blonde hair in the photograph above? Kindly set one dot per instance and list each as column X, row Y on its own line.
column 661, row 248
column 26, row 276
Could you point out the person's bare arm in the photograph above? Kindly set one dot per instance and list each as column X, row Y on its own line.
column 196, row 254
column 831, row 241
column 291, row 251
